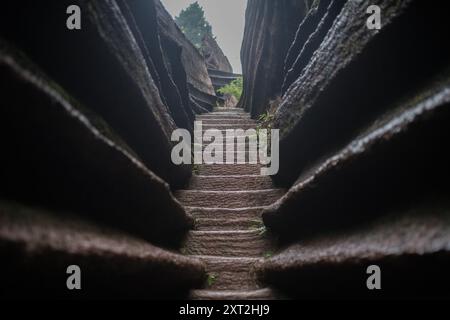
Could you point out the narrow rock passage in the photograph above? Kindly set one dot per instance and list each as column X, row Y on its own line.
column 226, row 202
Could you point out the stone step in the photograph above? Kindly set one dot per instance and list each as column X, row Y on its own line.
column 261, row 294
column 222, row 121
column 227, row 224
column 228, row 169
column 227, row 243
column 229, row 113
column 235, row 157
column 232, row 146
column 229, row 199
column 224, row 116
column 250, row 213
column 228, row 110
column 226, row 273
column 230, row 183
column 224, row 126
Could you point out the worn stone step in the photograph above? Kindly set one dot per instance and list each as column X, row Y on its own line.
column 227, row 224
column 224, row 126
column 229, row 199
column 223, row 115
column 229, row 110
column 260, row 294
column 236, row 146
column 234, row 157
column 227, row 243
column 230, row 273
column 222, row 121
column 250, row 213
column 228, row 169
column 231, row 183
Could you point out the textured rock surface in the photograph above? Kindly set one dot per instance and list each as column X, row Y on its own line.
column 227, row 199
column 191, row 59
column 355, row 76
column 310, row 35
column 214, row 56
column 166, row 67
column 270, row 28
column 415, row 245
column 363, row 116
column 394, row 161
column 231, row 183
column 103, row 68
column 261, row 294
column 56, row 157
column 37, row 247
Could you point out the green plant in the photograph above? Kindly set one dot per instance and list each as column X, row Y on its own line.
column 268, row 254
column 257, row 224
column 234, row 88
column 212, row 278
column 262, row 231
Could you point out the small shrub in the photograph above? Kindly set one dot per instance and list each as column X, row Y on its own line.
column 212, row 278
column 234, row 88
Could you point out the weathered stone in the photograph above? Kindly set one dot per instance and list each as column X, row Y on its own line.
column 229, row 183
column 351, row 80
column 310, row 35
column 229, row 199
column 260, row 294
column 192, row 60
column 411, row 248
column 36, row 247
column 103, row 67
column 395, row 160
column 231, row 273
column 141, row 16
column 56, row 157
column 230, row 101
column 252, row 214
column 270, row 28
column 214, row 56
column 236, row 243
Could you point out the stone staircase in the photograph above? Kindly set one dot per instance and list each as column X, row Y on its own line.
column 226, row 202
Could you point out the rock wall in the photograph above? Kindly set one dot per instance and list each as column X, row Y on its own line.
column 86, row 123
column 200, row 88
column 214, row 56
column 270, row 27
column 363, row 120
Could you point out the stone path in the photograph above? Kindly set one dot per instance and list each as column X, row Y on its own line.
column 226, row 202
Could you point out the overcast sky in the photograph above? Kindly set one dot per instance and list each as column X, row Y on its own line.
column 227, row 20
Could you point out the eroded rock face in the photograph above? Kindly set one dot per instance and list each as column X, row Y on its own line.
column 351, row 79
column 103, row 67
column 363, row 120
column 199, row 84
column 392, row 163
column 171, row 80
column 270, row 28
column 56, row 157
column 309, row 36
column 214, row 56
column 113, row 264
column 410, row 244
